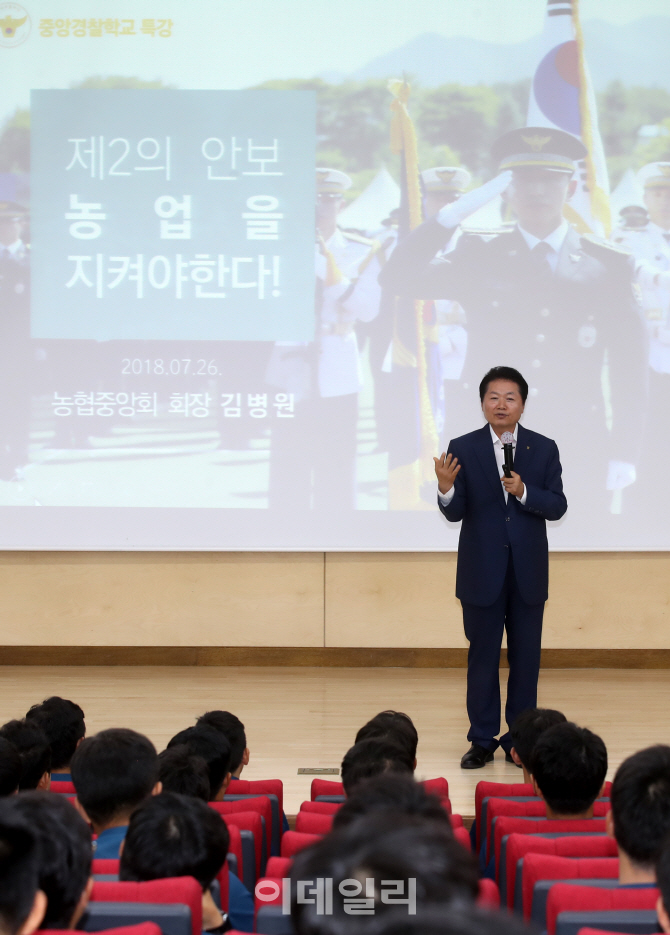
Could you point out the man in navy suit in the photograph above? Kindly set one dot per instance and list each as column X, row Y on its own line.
column 503, row 562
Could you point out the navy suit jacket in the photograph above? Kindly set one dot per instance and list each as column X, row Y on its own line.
column 492, row 527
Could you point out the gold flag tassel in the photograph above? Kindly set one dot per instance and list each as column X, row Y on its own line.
column 403, row 141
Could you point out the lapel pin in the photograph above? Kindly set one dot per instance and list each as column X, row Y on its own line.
column 527, row 447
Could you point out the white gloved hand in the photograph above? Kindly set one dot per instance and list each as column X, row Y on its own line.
column 620, row 474
column 455, row 213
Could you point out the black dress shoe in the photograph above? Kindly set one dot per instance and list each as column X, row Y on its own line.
column 508, row 759
column 476, row 757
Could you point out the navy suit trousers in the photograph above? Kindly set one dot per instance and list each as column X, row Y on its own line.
column 484, row 629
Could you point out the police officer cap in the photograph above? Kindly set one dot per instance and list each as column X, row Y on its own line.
column 655, row 175
column 332, row 181
column 12, row 209
column 445, row 179
column 544, row 147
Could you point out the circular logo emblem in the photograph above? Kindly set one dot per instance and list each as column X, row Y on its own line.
column 14, row 24
column 586, row 336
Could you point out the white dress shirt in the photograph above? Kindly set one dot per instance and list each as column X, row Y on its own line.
column 555, row 241
column 499, row 453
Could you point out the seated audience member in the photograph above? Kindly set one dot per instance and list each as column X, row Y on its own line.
column 213, row 747
column 390, row 792
column 381, row 848
column 525, row 731
column 113, row 772
column 233, row 730
column 32, row 746
column 568, row 766
column 63, row 723
column 639, row 820
column 372, row 757
column 663, row 883
column 10, row 768
column 22, row 903
column 183, row 772
column 433, row 920
column 64, row 855
column 174, row 836
column 391, row 725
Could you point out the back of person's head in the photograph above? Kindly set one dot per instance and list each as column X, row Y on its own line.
column 394, row 725
column 527, row 728
column 232, row 729
column 663, row 881
column 640, row 800
column 32, row 745
column 391, row 792
column 431, row 919
column 213, row 747
column 63, row 723
column 18, row 871
column 10, row 767
column 569, row 765
column 64, row 854
column 183, row 772
column 375, row 848
column 174, row 836
column 371, row 757
column 113, row 772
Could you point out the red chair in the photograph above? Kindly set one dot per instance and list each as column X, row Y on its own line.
column 105, row 865
column 463, row 837
column 62, row 787
column 537, row 867
column 183, row 890
column 496, row 790
column 223, row 876
column 519, row 845
column 439, row 787
column 261, row 804
column 294, row 841
column 535, row 809
column 568, row 897
column 235, row 847
column 313, row 823
column 244, row 821
column 321, row 808
column 144, row 928
column 279, row 867
column 507, row 825
column 258, row 787
column 489, row 895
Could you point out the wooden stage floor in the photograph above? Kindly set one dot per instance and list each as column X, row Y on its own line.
column 297, row 717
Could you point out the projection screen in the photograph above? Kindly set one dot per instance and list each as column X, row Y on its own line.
column 197, row 202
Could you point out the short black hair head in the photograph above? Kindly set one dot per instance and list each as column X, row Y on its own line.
column 113, row 772
column 640, row 800
column 431, row 919
column 183, row 772
column 375, row 848
column 503, row 373
column 569, row 765
column 63, row 723
column 528, row 726
column 394, row 725
column 174, row 836
column 18, row 868
column 663, row 872
column 372, row 757
column 64, row 852
column 32, row 746
column 391, row 792
column 212, row 746
column 10, row 767
column 232, row 729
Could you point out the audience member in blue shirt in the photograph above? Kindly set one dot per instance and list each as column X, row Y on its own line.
column 113, row 772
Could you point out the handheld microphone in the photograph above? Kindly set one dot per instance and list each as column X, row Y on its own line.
column 507, row 440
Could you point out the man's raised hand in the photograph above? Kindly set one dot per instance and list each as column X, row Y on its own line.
column 446, row 469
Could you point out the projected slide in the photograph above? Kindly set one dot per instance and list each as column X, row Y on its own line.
column 235, row 312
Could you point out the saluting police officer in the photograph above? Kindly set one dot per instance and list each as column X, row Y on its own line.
column 313, row 454
column 555, row 304
column 650, row 245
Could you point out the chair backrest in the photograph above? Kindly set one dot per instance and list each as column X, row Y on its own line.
column 279, row 867
column 519, row 845
column 105, row 865
column 463, row 836
column 313, row 823
column 439, row 787
column 541, row 867
column 185, row 891
column 489, row 894
column 321, row 808
column 235, row 848
column 251, row 822
column 568, row 897
column 536, row 808
column 223, row 876
column 294, row 841
column 260, row 804
column 258, row 787
column 62, row 787
column 143, row 928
